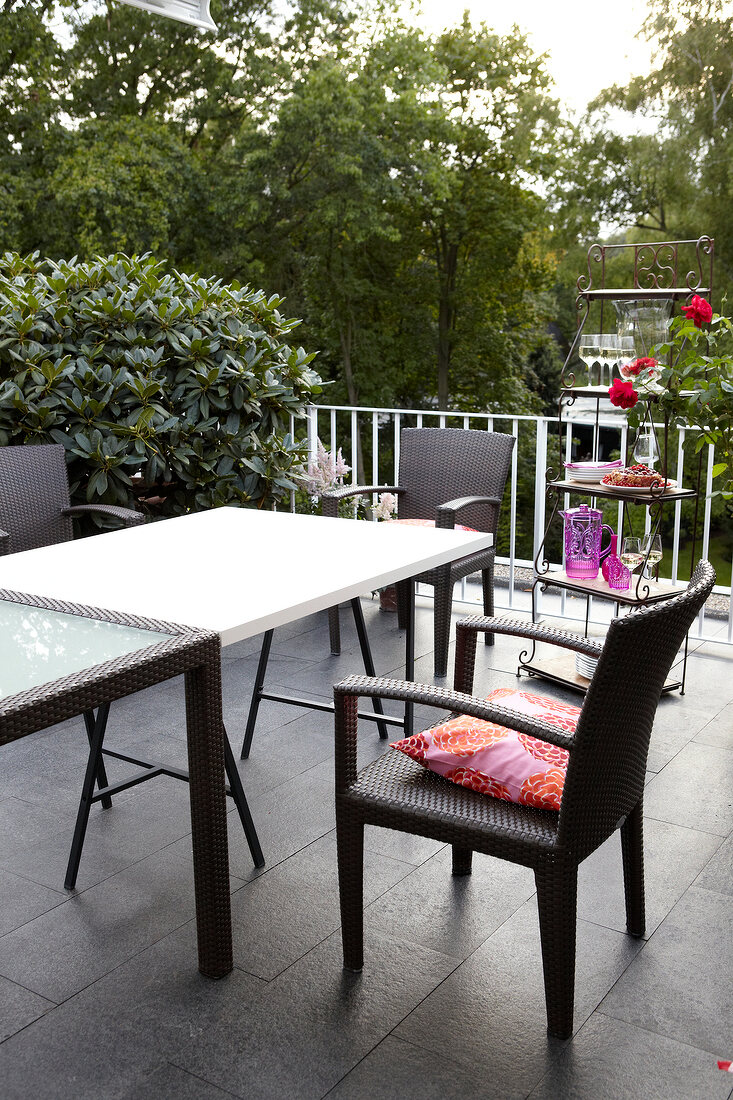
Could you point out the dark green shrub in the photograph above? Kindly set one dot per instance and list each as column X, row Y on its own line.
column 172, row 388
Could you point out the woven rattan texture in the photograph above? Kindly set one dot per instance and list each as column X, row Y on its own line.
column 603, row 788
column 439, row 466
column 34, row 498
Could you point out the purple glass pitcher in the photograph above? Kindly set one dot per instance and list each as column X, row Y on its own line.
column 583, row 535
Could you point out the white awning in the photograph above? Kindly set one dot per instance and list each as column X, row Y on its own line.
column 193, row 12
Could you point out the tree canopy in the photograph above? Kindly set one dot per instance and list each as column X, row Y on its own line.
column 420, row 201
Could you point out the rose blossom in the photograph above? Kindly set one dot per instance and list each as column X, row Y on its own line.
column 699, row 311
column 623, row 394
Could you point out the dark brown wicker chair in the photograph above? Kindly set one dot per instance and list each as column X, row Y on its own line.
column 35, row 508
column 449, row 475
column 603, row 787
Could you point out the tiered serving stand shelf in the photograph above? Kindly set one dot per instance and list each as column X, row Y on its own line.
column 655, row 277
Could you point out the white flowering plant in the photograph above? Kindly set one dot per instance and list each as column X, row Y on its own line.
column 386, row 506
column 326, row 471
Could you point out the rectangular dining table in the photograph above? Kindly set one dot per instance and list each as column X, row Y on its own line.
column 235, row 572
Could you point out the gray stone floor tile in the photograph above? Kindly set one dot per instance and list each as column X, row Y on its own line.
column 287, row 818
column 284, row 913
column 19, row 1007
column 719, row 731
column 21, row 900
column 315, row 1022
column 403, row 846
column 169, row 1082
column 152, row 816
column 610, row 1060
column 717, row 875
column 399, row 1069
column 673, row 857
column 62, row 951
column 500, row 991
column 125, row 1026
column 452, row 914
column 681, row 984
column 694, row 790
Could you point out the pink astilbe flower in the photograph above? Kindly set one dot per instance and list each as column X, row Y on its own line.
column 326, row 471
column 386, row 507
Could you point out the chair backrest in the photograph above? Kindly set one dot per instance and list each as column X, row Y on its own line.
column 442, row 464
column 606, row 771
column 34, row 488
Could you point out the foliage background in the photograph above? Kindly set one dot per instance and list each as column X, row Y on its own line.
column 174, row 389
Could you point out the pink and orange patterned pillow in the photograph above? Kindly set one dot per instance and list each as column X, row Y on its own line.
column 495, row 760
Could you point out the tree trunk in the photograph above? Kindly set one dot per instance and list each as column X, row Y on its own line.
column 346, row 338
column 447, row 263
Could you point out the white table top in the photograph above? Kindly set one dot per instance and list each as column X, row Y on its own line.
column 237, row 571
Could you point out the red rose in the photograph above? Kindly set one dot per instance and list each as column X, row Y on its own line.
column 699, row 311
column 623, row 394
column 645, row 363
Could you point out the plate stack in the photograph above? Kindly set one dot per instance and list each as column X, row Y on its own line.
column 585, row 666
column 591, row 472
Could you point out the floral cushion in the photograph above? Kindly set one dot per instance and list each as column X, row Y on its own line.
column 495, row 760
column 430, row 523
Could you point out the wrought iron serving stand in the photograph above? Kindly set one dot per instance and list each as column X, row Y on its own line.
column 656, row 278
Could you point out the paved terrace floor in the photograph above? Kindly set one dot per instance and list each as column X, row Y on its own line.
column 99, row 993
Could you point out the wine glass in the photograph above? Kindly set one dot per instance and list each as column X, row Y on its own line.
column 631, row 554
column 646, row 449
column 589, row 351
column 609, row 354
column 651, row 551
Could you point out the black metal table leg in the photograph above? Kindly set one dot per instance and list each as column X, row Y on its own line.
column 366, row 655
column 102, row 781
column 87, row 792
column 254, row 706
column 240, row 801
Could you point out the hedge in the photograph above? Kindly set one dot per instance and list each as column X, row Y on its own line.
column 172, row 389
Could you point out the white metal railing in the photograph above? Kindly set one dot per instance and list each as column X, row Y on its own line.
column 378, row 430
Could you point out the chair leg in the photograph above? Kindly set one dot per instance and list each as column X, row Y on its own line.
column 441, row 626
column 557, row 891
column 334, row 630
column 632, row 850
column 487, row 583
column 350, row 849
column 403, row 607
column 462, row 860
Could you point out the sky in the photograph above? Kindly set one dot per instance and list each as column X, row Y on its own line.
column 590, row 47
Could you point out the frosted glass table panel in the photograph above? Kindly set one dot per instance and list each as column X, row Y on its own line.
column 37, row 645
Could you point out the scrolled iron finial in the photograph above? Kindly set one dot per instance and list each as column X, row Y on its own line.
column 585, row 282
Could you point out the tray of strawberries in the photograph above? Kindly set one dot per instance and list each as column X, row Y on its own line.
column 636, row 479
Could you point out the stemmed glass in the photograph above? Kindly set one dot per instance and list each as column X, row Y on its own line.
column 646, row 449
column 589, row 351
column 631, row 554
column 651, row 551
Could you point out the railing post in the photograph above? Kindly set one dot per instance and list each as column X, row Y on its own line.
column 540, row 472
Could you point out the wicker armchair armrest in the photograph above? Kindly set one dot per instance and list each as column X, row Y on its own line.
column 126, row 516
column 445, row 515
column 347, row 692
column 4, row 543
column 536, row 631
column 330, row 500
